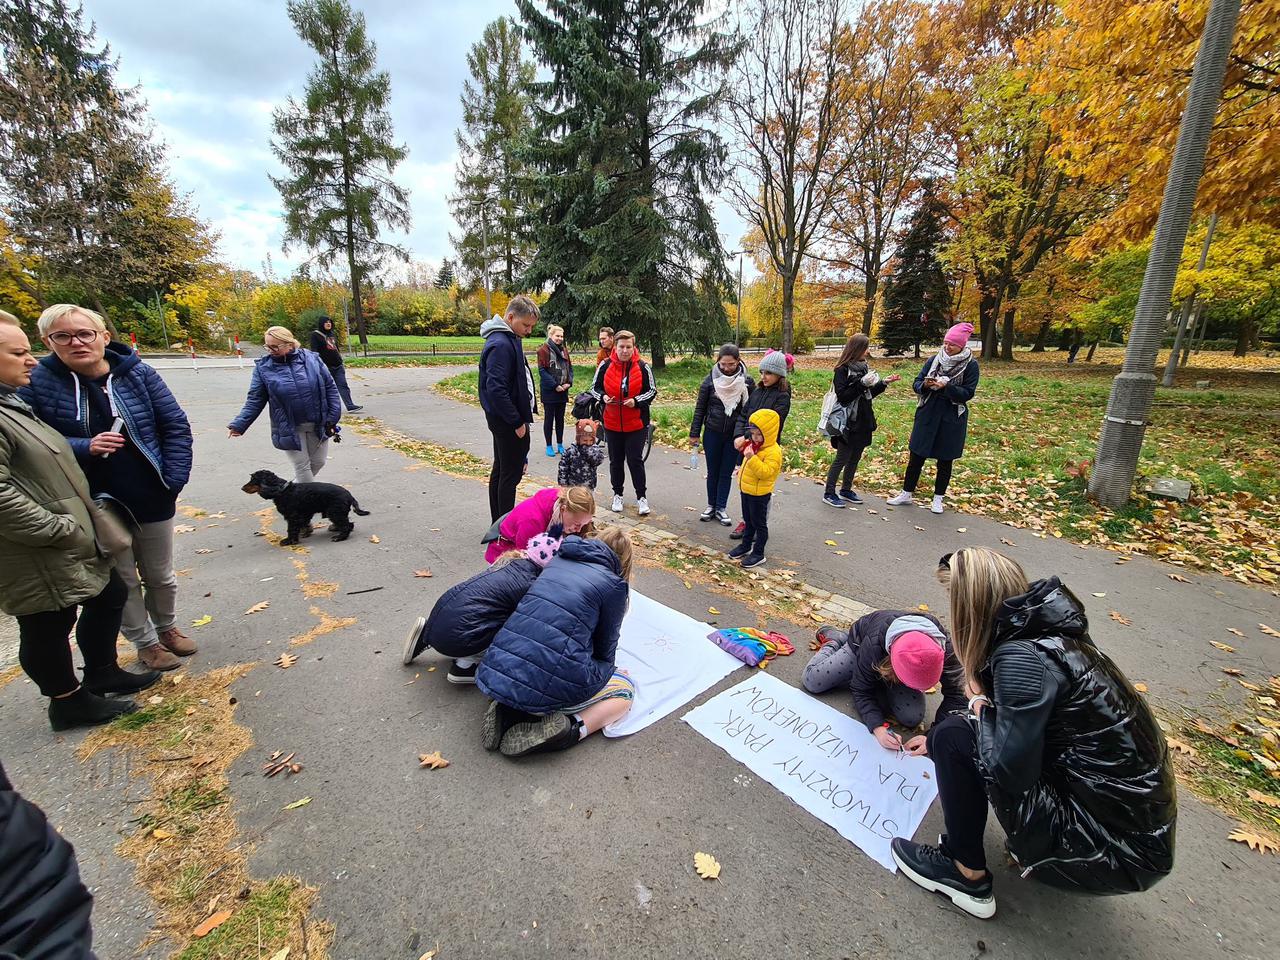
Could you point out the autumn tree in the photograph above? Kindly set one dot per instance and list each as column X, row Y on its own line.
column 1240, row 281
column 917, row 297
column 490, row 203
column 337, row 147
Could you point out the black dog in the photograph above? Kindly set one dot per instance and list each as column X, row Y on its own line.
column 299, row 502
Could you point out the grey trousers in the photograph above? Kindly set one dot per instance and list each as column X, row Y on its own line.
column 310, row 460
column 146, row 568
column 833, row 666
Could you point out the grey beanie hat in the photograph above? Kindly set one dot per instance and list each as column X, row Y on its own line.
column 775, row 363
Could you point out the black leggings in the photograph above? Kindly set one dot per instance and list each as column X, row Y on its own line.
column 553, row 415
column 953, row 747
column 847, row 459
column 940, row 482
column 626, row 449
column 43, row 647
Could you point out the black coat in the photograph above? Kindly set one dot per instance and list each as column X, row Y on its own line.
column 468, row 616
column 940, row 429
column 863, row 423
column 1076, row 766
column 765, row 398
column 867, row 636
column 709, row 411
column 44, row 908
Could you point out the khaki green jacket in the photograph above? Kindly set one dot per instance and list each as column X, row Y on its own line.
column 48, row 556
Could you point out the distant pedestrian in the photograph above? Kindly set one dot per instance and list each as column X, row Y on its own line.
column 324, row 343
column 761, row 466
column 507, row 398
column 626, row 386
column 855, row 385
column 302, row 399
column 946, row 384
column 605, row 339
column 580, row 465
column 555, row 373
column 771, row 392
column 722, row 396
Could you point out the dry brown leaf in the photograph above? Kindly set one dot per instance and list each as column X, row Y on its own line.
column 1121, row 618
column 423, row 573
column 1252, row 687
column 1238, row 633
column 1231, row 671
column 258, row 607
column 1269, row 631
column 1178, row 745
column 1224, row 647
column 1257, row 796
column 281, row 954
column 160, row 834
column 1261, row 842
column 432, row 761
column 707, row 866
column 1178, row 578
column 374, row 538
column 212, row 924
column 286, row 660
column 430, row 954
column 1007, row 542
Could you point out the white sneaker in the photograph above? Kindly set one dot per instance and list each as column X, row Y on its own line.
column 937, row 505
column 642, row 506
column 901, row 499
column 617, row 503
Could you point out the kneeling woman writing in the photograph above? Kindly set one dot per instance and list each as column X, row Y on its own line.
column 1065, row 748
column 550, row 670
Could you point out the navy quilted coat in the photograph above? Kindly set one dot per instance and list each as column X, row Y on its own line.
column 466, row 618
column 275, row 383
column 557, row 650
column 152, row 417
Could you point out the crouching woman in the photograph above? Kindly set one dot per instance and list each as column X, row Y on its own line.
column 550, row 671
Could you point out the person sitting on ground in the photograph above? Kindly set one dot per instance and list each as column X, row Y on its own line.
column 550, row 510
column 52, row 574
column 467, row 616
column 550, row 672
column 771, row 392
column 580, row 465
column 889, row 659
column 1066, row 750
column 761, row 466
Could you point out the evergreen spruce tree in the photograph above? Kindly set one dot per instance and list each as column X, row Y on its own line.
column 916, row 300
column 622, row 153
column 490, row 204
column 444, row 278
column 337, row 146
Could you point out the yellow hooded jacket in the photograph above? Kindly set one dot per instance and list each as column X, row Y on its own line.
column 760, row 473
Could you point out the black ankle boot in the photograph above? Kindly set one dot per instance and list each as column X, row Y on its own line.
column 548, row 734
column 114, row 680
column 85, row 709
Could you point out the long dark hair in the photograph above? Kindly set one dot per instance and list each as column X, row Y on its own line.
column 854, row 350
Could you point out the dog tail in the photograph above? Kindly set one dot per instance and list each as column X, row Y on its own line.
column 355, row 508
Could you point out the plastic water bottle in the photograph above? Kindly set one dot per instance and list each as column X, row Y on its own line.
column 693, row 459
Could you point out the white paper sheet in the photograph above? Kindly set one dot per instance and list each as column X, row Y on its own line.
column 670, row 659
column 822, row 759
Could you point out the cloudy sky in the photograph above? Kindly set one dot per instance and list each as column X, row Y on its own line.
column 212, row 72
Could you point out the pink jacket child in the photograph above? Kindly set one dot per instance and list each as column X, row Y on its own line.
column 571, row 508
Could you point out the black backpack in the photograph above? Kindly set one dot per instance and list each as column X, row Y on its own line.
column 587, row 407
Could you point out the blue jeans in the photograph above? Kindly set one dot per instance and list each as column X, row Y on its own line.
column 339, row 374
column 755, row 514
column 722, row 458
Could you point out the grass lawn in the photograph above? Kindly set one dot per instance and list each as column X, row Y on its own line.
column 1033, row 425
column 470, row 345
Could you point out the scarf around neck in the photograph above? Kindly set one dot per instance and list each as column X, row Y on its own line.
column 949, row 366
column 558, row 359
column 730, row 388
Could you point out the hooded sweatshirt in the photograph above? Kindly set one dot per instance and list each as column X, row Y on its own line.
column 506, row 382
column 760, row 471
column 325, row 343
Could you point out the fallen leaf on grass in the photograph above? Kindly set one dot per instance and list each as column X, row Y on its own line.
column 713, row 611
column 1260, row 842
column 374, row 538
column 1257, row 796
column 1178, row 578
column 1252, row 687
column 707, row 866
column 1180, row 747
column 1121, row 618
column 297, row 803
column 206, row 619
column 1140, row 687
column 258, row 607
column 1224, row 647
column 423, row 573
column 281, row 955
column 166, row 835
column 212, row 924
column 155, row 699
column 285, row 661
column 1269, row 631
column 432, row 761
column 1235, row 631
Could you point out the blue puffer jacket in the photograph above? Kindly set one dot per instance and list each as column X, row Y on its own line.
column 557, row 650
column 274, row 383
column 466, row 618
column 152, row 417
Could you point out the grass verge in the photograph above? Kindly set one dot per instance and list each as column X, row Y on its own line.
column 449, row 460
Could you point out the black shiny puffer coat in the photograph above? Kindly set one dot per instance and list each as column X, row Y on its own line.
column 1076, row 767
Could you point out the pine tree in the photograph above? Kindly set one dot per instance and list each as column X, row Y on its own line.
column 444, row 278
column 337, row 146
column 916, row 300
column 491, row 202
column 622, row 153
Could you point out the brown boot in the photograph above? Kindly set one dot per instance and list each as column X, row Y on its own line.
column 177, row 642
column 156, row 657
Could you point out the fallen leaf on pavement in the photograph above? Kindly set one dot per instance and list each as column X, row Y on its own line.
column 430, row 954
column 1238, row 633
column 285, row 661
column 1260, row 842
column 258, row 607
column 1257, row 796
column 1224, row 647
column 183, row 528
column 831, row 543
column 1140, row 687
column 688, row 585
column 432, row 761
column 207, row 618
column 841, row 553
column 923, row 606
column 212, row 924
column 297, row 803
column 713, row 611
column 962, row 529
column 1269, row 631
column 708, row 867
column 423, row 573
column 1231, row 671
column 1121, row 618
column 1178, row 578
column 1178, row 745
column 203, row 550
column 1099, row 595
column 374, row 538
column 1007, row 543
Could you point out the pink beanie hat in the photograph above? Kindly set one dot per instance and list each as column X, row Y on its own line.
column 959, row 334
column 917, row 659
column 542, row 548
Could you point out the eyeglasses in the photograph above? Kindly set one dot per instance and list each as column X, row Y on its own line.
column 273, row 347
column 64, row 337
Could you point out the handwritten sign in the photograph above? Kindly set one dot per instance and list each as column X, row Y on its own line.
column 822, row 759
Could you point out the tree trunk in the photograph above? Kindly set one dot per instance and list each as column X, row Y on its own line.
column 988, row 312
column 1042, row 336
column 868, row 311
column 1006, row 340
column 788, row 310
column 1088, row 357
column 1244, row 337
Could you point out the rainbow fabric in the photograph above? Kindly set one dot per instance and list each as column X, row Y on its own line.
column 753, row 647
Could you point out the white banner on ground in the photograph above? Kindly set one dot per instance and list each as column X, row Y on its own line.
column 823, row 760
column 670, row 659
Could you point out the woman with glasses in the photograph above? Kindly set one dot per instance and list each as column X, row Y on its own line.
column 133, row 442
column 304, row 404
